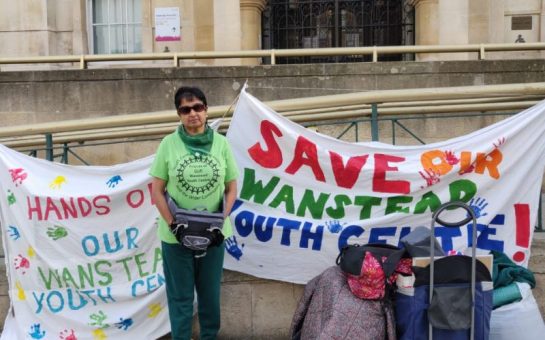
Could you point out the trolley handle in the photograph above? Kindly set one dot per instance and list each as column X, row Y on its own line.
column 457, row 204
column 471, row 217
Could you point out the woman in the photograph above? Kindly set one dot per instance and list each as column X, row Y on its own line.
column 196, row 167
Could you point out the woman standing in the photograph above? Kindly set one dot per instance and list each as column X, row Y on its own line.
column 196, row 167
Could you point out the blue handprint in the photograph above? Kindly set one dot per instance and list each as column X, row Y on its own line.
column 114, row 181
column 124, row 323
column 13, row 232
column 231, row 245
column 35, row 332
column 334, row 226
column 478, row 205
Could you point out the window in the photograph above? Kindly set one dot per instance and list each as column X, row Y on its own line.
column 337, row 23
column 116, row 26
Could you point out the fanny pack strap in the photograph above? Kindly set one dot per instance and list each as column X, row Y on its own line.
column 173, row 207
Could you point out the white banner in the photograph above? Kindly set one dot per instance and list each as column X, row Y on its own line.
column 82, row 258
column 303, row 195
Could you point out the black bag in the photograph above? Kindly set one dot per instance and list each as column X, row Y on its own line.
column 351, row 257
column 196, row 230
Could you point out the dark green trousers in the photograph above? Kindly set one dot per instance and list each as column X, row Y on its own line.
column 183, row 272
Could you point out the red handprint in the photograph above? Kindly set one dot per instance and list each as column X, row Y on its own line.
column 501, row 141
column 21, row 263
column 451, row 158
column 430, row 176
column 18, row 175
column 468, row 169
column 64, row 335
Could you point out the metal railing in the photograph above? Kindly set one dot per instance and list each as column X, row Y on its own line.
column 374, row 51
column 351, row 109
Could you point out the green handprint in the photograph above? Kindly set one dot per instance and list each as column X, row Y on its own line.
column 98, row 319
column 57, row 232
column 11, row 198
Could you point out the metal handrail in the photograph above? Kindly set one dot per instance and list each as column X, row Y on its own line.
column 330, row 101
column 273, row 54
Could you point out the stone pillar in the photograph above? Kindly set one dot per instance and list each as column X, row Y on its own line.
column 454, row 27
column 426, row 26
column 227, row 33
column 442, row 22
column 80, row 43
column 250, row 22
column 147, row 26
column 542, row 30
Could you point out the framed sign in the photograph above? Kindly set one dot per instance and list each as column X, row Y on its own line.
column 167, row 24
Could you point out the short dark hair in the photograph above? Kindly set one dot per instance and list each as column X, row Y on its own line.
column 188, row 93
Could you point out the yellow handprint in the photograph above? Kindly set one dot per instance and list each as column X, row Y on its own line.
column 30, row 252
column 57, row 182
column 20, row 292
column 98, row 334
column 155, row 308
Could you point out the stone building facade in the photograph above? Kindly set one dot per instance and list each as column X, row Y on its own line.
column 74, row 27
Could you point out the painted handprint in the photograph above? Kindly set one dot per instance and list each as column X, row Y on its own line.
column 13, row 232
column 68, row 335
column 467, row 169
column 57, row 182
column 334, row 226
column 30, row 252
column 124, row 324
column 21, row 263
column 35, row 332
column 98, row 320
column 451, row 158
column 478, row 205
column 20, row 291
column 18, row 175
column 155, row 309
column 114, row 181
column 56, row 232
column 11, row 198
column 99, row 334
column 500, row 142
column 430, row 176
column 231, row 245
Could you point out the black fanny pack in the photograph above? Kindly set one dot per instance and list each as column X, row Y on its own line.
column 196, row 230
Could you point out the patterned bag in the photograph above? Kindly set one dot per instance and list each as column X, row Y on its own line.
column 372, row 269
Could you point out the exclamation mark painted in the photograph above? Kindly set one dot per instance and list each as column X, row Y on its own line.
column 522, row 217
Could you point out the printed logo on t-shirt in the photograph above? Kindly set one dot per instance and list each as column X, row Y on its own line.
column 198, row 175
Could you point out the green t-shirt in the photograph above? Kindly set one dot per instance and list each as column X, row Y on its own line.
column 194, row 181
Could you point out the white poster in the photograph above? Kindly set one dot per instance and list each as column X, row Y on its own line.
column 167, row 24
column 303, row 195
column 82, row 257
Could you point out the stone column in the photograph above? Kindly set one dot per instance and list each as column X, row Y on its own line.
column 80, row 43
column 426, row 26
column 541, row 35
column 250, row 22
column 454, row 27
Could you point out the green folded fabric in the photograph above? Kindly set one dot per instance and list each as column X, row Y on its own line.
column 506, row 272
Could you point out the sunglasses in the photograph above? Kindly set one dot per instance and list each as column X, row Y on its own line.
column 184, row 110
